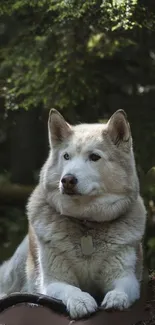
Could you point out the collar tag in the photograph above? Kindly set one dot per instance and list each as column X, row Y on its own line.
column 87, row 246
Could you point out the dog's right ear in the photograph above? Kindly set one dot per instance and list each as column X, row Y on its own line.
column 58, row 128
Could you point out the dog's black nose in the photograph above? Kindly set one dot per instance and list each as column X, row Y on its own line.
column 69, row 181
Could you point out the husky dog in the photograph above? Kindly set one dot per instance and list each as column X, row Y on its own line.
column 86, row 220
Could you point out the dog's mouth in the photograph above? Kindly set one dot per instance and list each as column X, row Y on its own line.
column 74, row 192
column 71, row 192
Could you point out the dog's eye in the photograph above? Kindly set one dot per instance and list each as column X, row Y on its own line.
column 94, row 157
column 66, row 156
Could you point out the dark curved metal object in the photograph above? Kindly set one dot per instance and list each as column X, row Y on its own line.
column 42, row 300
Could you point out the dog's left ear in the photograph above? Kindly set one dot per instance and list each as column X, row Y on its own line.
column 58, row 128
column 118, row 128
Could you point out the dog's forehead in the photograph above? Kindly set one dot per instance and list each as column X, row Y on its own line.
column 87, row 136
column 89, row 130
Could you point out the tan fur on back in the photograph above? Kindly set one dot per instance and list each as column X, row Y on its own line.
column 32, row 258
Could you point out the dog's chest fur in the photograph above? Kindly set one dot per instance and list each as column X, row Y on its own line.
column 67, row 235
column 60, row 244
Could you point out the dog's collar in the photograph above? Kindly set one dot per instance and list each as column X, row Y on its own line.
column 89, row 224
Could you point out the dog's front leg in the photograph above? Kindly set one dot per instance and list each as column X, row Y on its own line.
column 120, row 279
column 77, row 302
column 125, row 291
column 59, row 281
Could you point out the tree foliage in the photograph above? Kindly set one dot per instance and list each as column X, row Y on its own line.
column 87, row 58
column 52, row 51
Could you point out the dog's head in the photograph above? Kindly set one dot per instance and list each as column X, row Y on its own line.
column 89, row 162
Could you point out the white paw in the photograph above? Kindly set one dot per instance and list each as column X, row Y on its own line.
column 115, row 300
column 81, row 304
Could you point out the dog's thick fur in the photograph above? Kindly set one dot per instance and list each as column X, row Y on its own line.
column 106, row 210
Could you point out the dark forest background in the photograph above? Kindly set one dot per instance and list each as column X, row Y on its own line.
column 87, row 59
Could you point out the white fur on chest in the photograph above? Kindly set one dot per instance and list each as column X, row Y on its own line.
column 88, row 269
column 64, row 235
column 77, row 249
column 61, row 253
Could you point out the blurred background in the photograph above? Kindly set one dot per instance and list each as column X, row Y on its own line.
column 87, row 59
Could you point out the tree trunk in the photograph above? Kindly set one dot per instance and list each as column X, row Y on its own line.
column 24, row 139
